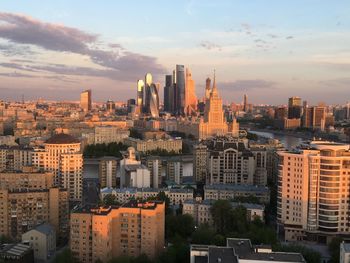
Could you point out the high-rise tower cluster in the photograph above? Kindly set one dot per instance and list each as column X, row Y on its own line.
column 179, row 92
column 148, row 96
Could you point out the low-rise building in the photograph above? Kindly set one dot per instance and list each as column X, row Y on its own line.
column 144, row 146
column 239, row 250
column 17, row 253
column 344, row 253
column 109, row 134
column 200, row 210
column 43, row 241
column 176, row 196
column 229, row 192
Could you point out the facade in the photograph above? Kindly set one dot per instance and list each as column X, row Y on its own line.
column 231, row 161
column 108, row 232
column 136, row 175
column 107, row 171
column 154, row 165
column 245, row 103
column 313, row 192
column 108, row 134
column 228, row 192
column 238, row 250
column 62, row 156
column 200, row 211
column 85, row 100
column 176, row 196
column 294, row 108
column 29, row 199
column 153, row 101
column 180, row 89
column 144, row 146
column 43, row 241
column 14, row 158
column 174, row 170
column 207, row 89
column 190, row 107
column 314, row 117
column 200, row 162
column 213, row 122
column 169, row 99
column 139, row 97
column 344, row 253
column 17, row 253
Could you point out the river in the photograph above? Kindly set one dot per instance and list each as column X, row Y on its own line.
column 288, row 141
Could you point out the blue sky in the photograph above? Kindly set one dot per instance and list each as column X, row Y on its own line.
column 268, row 49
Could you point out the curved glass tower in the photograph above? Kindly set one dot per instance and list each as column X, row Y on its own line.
column 153, row 101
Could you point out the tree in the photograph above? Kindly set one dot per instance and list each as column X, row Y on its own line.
column 180, row 225
column 203, row 235
column 110, row 200
column 220, row 211
column 334, row 249
column 65, row 257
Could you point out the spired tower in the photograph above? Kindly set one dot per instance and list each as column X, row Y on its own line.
column 213, row 122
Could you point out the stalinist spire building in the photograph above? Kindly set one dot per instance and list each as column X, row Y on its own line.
column 214, row 122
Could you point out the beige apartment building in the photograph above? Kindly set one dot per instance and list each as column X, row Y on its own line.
column 151, row 145
column 107, row 232
column 107, row 172
column 28, row 199
column 108, row 134
column 14, row 158
column 62, row 156
column 313, row 192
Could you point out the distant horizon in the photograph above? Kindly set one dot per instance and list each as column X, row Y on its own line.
column 268, row 51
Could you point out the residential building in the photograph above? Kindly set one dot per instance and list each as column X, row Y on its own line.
column 62, row 156
column 174, row 169
column 108, row 134
column 122, row 195
column 200, row 162
column 17, row 253
column 136, row 175
column 14, row 158
column 200, row 210
column 144, row 146
column 30, row 198
column 229, row 192
column 313, row 192
column 239, row 250
column 154, row 165
column 43, row 241
column 107, row 232
column 344, row 253
column 107, row 171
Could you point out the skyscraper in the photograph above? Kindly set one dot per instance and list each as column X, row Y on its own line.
column 153, row 101
column 140, row 90
column 180, row 89
column 85, row 100
column 294, row 108
column 190, row 95
column 245, row 103
column 147, row 93
column 168, row 94
column 207, row 88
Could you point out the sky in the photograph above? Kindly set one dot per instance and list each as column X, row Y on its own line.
column 269, row 50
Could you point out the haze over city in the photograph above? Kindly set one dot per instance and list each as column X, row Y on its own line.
column 270, row 51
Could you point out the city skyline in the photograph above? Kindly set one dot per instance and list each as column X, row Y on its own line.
column 57, row 50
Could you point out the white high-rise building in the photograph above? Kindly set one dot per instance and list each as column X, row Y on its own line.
column 62, row 156
column 313, row 191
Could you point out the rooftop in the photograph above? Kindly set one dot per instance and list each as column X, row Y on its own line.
column 237, row 187
column 62, row 138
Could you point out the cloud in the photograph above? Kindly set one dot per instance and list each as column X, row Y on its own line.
column 289, row 37
column 10, row 50
column 209, row 45
column 245, row 85
column 122, row 63
column 272, row 35
column 16, row 75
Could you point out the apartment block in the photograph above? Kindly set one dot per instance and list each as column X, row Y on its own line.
column 28, row 199
column 107, row 232
column 313, row 192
